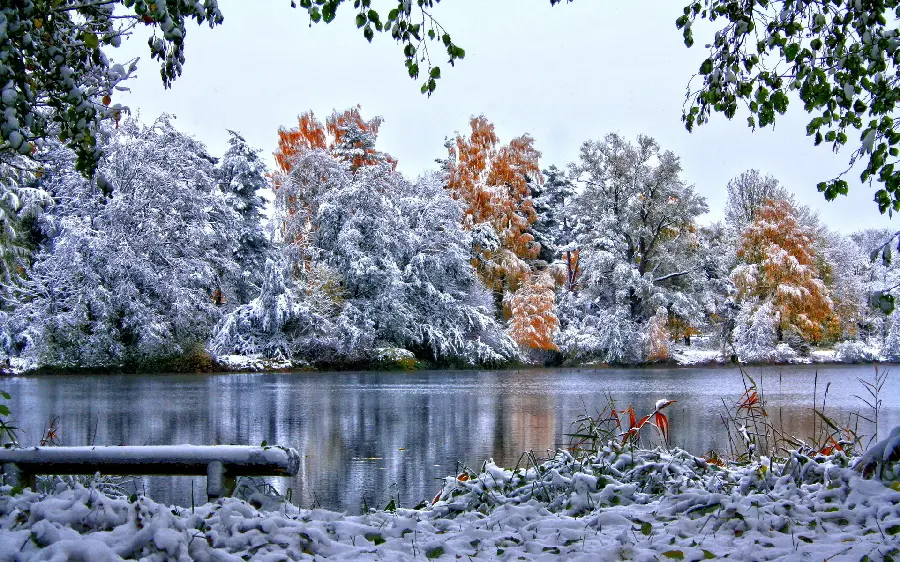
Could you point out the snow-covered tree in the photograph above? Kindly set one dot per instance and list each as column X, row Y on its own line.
column 136, row 255
column 779, row 265
column 890, row 351
column 405, row 273
column 493, row 182
column 242, row 175
column 532, row 320
column 553, row 227
column 746, row 194
column 637, row 241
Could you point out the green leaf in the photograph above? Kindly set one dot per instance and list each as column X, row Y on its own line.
column 674, row 554
column 5, row 394
column 646, row 528
column 4, row 410
column 706, row 67
column 707, row 555
column 264, row 443
column 90, row 40
column 435, row 72
column 375, row 538
column 435, row 552
column 360, row 20
column 790, row 52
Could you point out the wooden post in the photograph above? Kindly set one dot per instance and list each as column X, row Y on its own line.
column 215, row 473
column 16, row 477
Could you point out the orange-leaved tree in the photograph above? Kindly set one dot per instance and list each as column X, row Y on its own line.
column 493, row 183
column 345, row 136
column 779, row 265
column 533, row 322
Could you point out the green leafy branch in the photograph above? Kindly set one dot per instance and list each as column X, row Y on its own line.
column 840, row 58
column 410, row 24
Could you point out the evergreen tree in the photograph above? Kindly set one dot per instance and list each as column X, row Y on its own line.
column 552, row 229
column 242, row 175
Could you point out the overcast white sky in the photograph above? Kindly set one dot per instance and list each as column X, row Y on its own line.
column 564, row 75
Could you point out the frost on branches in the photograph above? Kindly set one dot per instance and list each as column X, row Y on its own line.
column 636, row 233
column 133, row 256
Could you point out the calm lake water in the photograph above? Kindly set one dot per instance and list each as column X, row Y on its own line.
column 367, row 437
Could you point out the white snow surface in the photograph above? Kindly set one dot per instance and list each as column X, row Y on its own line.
column 617, row 504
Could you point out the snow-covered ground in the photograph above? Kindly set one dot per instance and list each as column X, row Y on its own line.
column 615, row 505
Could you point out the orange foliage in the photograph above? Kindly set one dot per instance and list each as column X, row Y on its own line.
column 533, row 322
column 679, row 328
column 492, row 181
column 341, row 135
column 658, row 337
column 780, row 264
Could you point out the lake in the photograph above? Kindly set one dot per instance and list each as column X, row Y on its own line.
column 367, row 437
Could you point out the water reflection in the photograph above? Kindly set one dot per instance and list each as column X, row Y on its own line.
column 367, row 437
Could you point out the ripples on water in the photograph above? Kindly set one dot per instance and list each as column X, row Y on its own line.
column 367, row 437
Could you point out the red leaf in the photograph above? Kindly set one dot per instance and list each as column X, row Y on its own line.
column 662, row 422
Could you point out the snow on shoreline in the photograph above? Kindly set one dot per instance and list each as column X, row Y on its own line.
column 618, row 504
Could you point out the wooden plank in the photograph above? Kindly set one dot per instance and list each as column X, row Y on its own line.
column 186, row 460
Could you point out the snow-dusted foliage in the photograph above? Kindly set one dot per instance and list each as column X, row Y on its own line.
column 134, row 256
column 755, row 334
column 636, row 238
column 856, row 352
column 615, row 504
column 242, row 175
column 779, row 264
column 283, row 322
column 405, row 272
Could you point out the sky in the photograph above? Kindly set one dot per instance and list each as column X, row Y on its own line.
column 562, row 74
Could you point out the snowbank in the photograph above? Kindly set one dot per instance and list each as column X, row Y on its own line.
column 615, row 505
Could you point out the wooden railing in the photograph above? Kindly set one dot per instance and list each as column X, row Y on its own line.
column 221, row 464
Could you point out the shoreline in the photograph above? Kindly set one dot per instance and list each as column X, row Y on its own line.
column 245, row 365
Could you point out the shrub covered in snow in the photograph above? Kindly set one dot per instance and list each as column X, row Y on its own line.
column 855, row 352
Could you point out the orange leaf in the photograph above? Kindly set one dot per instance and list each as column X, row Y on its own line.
column 662, row 422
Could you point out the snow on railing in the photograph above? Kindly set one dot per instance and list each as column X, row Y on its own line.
column 221, row 464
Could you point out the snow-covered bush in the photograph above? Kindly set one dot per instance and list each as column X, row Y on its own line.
column 283, row 322
column 855, row 352
column 755, row 333
column 603, row 336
